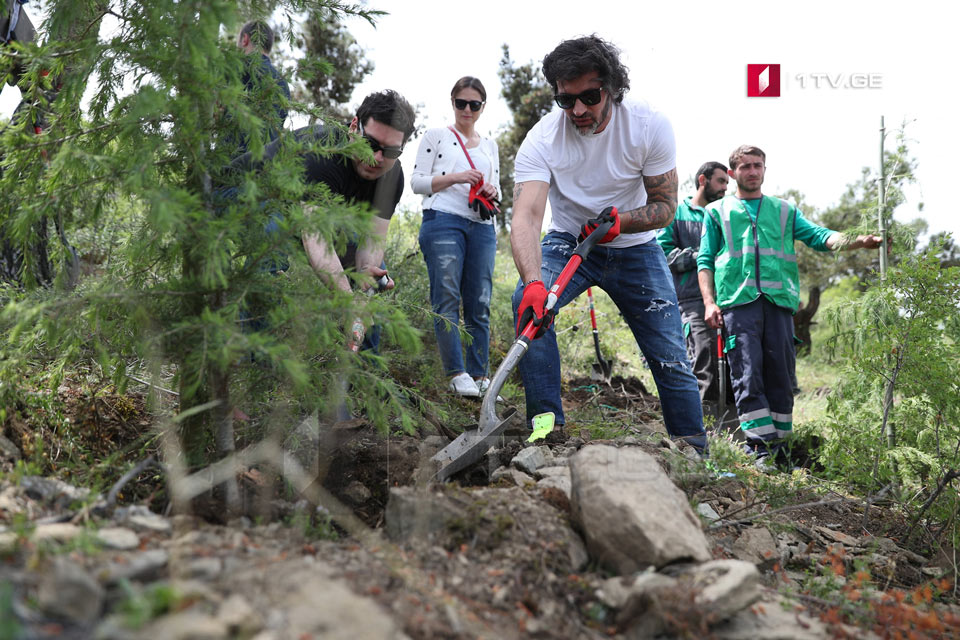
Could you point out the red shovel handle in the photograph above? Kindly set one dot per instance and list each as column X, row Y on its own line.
column 585, row 247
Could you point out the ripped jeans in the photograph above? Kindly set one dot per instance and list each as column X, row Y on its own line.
column 639, row 283
column 460, row 254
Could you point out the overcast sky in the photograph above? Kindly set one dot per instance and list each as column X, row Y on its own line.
column 689, row 59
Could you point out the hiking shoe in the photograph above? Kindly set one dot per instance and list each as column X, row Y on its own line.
column 464, row 386
column 483, row 384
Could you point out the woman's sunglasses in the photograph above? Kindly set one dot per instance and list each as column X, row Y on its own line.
column 475, row 105
column 589, row 97
column 388, row 152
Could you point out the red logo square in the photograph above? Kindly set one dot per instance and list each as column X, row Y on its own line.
column 763, row 80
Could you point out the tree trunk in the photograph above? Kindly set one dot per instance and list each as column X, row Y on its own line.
column 803, row 319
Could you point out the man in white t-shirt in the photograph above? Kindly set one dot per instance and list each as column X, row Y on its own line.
column 597, row 152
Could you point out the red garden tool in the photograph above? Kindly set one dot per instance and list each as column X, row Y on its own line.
column 722, row 371
column 602, row 368
column 470, row 446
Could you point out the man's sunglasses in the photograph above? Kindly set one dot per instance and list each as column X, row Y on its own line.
column 589, row 97
column 475, row 105
column 388, row 152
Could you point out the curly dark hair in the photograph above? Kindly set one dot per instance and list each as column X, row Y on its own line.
column 573, row 58
column 390, row 108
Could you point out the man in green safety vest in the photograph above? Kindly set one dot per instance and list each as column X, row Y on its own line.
column 747, row 268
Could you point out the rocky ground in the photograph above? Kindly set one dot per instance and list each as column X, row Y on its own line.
column 628, row 538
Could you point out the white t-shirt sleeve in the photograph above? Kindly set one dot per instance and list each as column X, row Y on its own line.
column 661, row 152
column 530, row 163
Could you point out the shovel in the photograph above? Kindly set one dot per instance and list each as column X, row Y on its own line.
column 602, row 368
column 470, row 446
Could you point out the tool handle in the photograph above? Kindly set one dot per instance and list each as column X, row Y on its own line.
column 593, row 315
column 581, row 252
column 719, row 344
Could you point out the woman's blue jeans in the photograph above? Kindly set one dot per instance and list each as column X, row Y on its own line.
column 460, row 254
column 639, row 283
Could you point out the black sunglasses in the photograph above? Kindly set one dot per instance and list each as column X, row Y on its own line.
column 475, row 105
column 589, row 97
column 388, row 152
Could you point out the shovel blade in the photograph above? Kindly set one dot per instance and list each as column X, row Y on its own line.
column 602, row 371
column 469, row 448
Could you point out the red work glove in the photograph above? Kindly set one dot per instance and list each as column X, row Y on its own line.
column 483, row 205
column 610, row 213
column 531, row 308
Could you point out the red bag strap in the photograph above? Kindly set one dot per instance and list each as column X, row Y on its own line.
column 463, row 146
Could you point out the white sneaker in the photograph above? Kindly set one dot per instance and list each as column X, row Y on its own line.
column 463, row 385
column 483, row 384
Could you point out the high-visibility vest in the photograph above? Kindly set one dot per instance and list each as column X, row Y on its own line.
column 757, row 257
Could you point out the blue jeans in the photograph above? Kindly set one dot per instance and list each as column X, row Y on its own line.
column 640, row 284
column 460, row 254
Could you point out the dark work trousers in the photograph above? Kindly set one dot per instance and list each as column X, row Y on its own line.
column 701, row 349
column 761, row 361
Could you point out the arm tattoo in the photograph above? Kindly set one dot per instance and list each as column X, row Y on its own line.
column 660, row 208
column 517, row 190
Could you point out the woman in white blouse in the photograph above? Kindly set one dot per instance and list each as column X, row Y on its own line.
column 458, row 173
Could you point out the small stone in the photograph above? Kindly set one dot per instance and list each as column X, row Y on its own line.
column 201, row 569
column 755, row 545
column 513, row 476
column 707, row 512
column 529, row 460
column 239, row 616
column 68, row 593
column 143, row 566
column 357, row 492
column 838, row 536
column 186, row 625
column 56, row 532
column 563, row 483
column 8, row 450
column 151, row 523
column 141, row 517
column 53, row 491
column 119, row 538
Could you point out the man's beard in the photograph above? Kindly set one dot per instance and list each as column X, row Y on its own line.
column 713, row 196
column 591, row 128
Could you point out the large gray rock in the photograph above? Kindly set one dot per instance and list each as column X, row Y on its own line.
column 69, row 593
column 630, row 513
